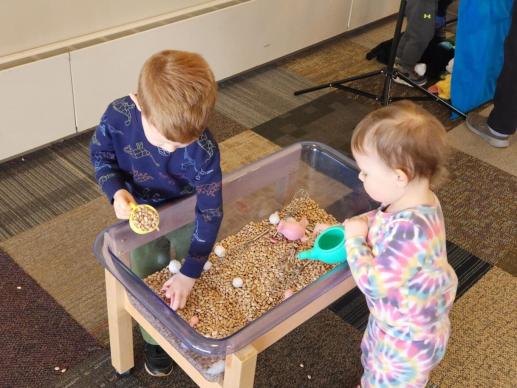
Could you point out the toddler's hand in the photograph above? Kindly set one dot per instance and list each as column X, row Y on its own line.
column 121, row 201
column 320, row 228
column 177, row 289
column 356, row 226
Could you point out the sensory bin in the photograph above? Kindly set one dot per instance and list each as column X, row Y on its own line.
column 266, row 262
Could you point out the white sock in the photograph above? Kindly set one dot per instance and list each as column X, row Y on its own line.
column 420, row 69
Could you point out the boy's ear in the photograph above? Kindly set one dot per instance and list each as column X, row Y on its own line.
column 402, row 178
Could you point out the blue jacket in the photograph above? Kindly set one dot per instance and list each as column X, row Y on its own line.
column 482, row 28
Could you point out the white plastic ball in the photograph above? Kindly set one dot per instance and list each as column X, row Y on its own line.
column 420, row 69
column 174, row 266
column 216, row 368
column 207, row 265
column 237, row 282
column 220, row 251
column 288, row 293
column 274, row 218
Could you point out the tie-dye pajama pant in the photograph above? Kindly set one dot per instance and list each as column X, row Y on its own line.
column 389, row 361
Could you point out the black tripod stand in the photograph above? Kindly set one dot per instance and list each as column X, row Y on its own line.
column 389, row 73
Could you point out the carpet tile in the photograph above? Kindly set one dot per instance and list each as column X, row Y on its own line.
column 483, row 343
column 256, row 97
column 37, row 334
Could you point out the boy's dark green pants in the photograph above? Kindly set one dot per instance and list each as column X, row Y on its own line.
column 154, row 256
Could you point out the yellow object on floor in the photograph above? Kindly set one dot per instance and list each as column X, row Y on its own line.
column 442, row 88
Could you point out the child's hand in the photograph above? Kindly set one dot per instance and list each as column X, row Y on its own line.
column 320, row 228
column 177, row 289
column 356, row 226
column 121, row 201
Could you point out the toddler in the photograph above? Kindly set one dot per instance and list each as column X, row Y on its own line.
column 153, row 147
column 397, row 254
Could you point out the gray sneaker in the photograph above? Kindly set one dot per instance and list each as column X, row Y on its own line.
column 478, row 125
column 411, row 74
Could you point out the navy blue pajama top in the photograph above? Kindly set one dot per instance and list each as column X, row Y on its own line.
column 124, row 159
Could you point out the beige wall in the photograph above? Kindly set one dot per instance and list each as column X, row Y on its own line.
column 367, row 11
column 26, row 24
column 68, row 92
column 232, row 40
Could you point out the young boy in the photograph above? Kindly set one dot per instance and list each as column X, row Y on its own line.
column 153, row 147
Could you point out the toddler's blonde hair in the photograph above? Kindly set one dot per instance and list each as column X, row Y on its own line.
column 406, row 137
column 176, row 92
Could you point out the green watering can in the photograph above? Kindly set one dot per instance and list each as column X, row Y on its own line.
column 329, row 246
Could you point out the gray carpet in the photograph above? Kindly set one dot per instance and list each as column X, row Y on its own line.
column 480, row 209
column 330, row 119
column 43, row 185
column 256, row 97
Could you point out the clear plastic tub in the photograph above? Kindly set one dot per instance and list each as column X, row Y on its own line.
column 250, row 194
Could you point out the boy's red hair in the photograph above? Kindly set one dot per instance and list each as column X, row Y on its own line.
column 176, row 92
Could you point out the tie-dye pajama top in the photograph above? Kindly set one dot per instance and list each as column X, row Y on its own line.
column 402, row 269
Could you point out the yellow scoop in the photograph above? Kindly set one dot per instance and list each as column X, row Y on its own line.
column 143, row 219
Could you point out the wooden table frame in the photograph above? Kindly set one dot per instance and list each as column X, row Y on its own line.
column 239, row 367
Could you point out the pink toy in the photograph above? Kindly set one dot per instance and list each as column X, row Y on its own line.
column 292, row 229
column 288, row 293
column 194, row 321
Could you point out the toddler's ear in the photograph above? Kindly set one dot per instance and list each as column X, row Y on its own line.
column 402, row 178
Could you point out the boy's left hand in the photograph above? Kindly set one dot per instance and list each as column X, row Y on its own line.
column 177, row 289
column 356, row 226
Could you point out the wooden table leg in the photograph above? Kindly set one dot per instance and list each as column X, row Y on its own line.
column 120, row 326
column 240, row 368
